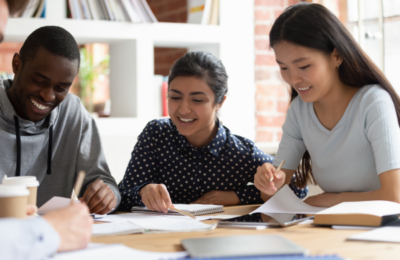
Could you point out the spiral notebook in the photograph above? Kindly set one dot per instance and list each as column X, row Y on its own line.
column 194, row 209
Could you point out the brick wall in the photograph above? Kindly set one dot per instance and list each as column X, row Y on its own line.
column 272, row 96
column 7, row 50
column 171, row 11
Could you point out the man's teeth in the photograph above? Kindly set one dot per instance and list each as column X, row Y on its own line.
column 186, row 120
column 36, row 104
column 302, row 89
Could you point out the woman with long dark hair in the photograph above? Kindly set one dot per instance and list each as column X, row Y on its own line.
column 191, row 157
column 342, row 127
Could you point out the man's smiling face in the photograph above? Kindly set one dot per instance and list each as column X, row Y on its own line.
column 40, row 84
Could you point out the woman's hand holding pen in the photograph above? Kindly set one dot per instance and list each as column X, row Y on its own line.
column 156, row 197
column 268, row 179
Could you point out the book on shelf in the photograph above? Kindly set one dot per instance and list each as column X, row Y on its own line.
column 203, row 12
column 136, row 11
column 361, row 213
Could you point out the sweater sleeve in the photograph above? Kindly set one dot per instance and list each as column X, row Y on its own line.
column 91, row 157
column 292, row 147
column 142, row 168
column 29, row 239
column 382, row 129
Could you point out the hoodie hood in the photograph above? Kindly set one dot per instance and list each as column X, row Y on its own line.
column 7, row 113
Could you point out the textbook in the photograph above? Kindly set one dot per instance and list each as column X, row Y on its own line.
column 361, row 213
column 194, row 209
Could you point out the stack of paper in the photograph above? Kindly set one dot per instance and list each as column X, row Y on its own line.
column 159, row 222
column 120, row 252
column 385, row 234
column 113, row 229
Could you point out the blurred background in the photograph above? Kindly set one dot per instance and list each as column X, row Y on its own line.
column 128, row 47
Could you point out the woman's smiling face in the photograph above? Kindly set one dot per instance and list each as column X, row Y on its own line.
column 192, row 108
column 310, row 72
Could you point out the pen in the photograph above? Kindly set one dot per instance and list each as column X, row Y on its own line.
column 182, row 212
column 78, row 185
column 277, row 169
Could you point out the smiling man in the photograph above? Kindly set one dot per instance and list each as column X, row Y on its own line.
column 46, row 132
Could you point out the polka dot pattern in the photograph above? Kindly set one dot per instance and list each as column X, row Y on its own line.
column 162, row 155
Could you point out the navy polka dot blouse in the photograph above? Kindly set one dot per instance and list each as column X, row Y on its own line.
column 162, row 155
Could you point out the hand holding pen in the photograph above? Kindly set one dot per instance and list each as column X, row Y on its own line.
column 268, row 179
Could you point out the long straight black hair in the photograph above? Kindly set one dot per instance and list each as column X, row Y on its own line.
column 314, row 26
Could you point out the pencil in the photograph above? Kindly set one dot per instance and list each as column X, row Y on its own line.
column 78, row 185
column 277, row 169
column 182, row 212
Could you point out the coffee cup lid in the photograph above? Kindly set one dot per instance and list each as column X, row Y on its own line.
column 28, row 181
column 13, row 191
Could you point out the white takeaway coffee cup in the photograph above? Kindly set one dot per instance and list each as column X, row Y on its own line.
column 29, row 182
column 13, row 201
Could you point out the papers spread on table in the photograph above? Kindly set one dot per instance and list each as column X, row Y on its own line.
column 113, row 229
column 160, row 222
column 116, row 251
column 194, row 209
column 385, row 234
column 285, row 201
column 54, row 204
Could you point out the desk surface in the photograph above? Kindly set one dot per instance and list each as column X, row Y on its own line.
column 318, row 241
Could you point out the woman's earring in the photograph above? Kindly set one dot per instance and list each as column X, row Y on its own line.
column 338, row 66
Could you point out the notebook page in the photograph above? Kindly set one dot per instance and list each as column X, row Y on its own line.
column 285, row 201
column 199, row 208
column 375, row 207
column 385, row 234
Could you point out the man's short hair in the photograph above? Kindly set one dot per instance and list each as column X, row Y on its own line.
column 16, row 6
column 54, row 39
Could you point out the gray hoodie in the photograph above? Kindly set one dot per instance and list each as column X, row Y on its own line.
column 75, row 145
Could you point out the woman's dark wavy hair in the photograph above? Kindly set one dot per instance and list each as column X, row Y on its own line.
column 314, row 26
column 205, row 66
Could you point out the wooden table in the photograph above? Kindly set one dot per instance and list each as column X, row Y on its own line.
column 318, row 240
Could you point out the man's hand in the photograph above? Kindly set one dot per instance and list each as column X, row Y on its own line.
column 156, row 197
column 31, row 210
column 323, row 200
column 263, row 176
column 99, row 197
column 218, row 197
column 73, row 224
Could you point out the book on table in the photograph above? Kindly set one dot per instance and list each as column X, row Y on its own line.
column 194, row 209
column 361, row 213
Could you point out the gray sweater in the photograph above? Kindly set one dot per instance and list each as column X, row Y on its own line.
column 75, row 146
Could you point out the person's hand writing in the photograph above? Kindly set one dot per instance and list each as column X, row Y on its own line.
column 323, row 200
column 73, row 224
column 263, row 176
column 218, row 197
column 156, row 197
column 99, row 197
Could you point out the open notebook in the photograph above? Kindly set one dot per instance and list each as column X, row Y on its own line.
column 194, row 209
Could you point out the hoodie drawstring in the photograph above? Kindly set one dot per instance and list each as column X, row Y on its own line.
column 17, row 132
column 50, row 151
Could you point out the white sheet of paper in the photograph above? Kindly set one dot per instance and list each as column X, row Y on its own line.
column 113, row 229
column 116, row 251
column 54, row 204
column 159, row 222
column 352, row 227
column 285, row 201
column 224, row 216
column 385, row 234
column 374, row 207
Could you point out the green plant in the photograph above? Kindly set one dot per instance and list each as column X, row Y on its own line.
column 88, row 73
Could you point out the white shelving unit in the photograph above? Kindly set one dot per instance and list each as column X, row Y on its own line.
column 132, row 64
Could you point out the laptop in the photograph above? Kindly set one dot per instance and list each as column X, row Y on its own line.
column 236, row 246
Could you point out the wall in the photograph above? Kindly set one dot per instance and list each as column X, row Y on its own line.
column 171, row 11
column 272, row 96
column 7, row 50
